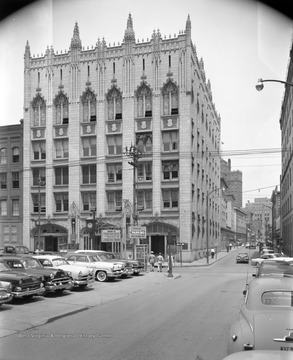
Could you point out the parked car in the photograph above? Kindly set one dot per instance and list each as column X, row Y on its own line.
column 23, row 285
column 5, row 292
column 55, row 280
column 15, row 250
column 242, row 257
column 80, row 275
column 136, row 266
column 258, row 260
column 104, row 257
column 274, row 268
column 260, row 355
column 266, row 317
column 103, row 270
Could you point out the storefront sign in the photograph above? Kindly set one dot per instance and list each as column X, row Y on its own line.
column 138, row 232
column 111, row 235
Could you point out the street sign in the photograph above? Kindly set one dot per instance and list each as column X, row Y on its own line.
column 137, row 232
column 111, row 235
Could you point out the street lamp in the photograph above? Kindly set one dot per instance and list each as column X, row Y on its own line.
column 207, row 217
column 259, row 86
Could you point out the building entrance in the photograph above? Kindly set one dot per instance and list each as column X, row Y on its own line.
column 158, row 244
column 51, row 243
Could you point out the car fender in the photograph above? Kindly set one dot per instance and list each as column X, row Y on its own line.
column 240, row 334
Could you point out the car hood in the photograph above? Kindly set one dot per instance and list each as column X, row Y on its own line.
column 15, row 276
column 272, row 330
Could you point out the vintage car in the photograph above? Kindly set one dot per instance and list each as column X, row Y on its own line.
column 80, row 275
column 133, row 267
column 260, row 355
column 23, row 285
column 274, row 268
column 55, row 280
column 266, row 317
column 103, row 270
column 242, row 257
column 5, row 292
column 258, row 260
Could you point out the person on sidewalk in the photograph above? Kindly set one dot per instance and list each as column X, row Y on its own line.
column 160, row 261
column 212, row 253
column 152, row 259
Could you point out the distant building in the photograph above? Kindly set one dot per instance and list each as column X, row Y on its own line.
column 11, row 172
column 286, row 187
column 83, row 108
column 234, row 181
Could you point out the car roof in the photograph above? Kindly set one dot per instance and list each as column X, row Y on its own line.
column 48, row 257
column 269, row 283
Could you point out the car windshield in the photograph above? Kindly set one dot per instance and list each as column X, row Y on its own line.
column 278, row 298
column 4, row 267
column 110, row 256
column 59, row 262
column 31, row 263
column 102, row 257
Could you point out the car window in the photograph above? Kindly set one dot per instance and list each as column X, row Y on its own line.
column 31, row 263
column 71, row 258
column 59, row 262
column 46, row 262
column 93, row 258
column 82, row 258
column 278, row 298
column 14, row 264
column 103, row 257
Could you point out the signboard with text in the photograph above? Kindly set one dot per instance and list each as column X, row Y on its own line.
column 111, row 235
column 137, row 232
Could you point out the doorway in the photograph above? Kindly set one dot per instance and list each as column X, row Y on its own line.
column 158, row 244
column 51, row 243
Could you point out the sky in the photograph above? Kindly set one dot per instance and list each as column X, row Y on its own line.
column 239, row 41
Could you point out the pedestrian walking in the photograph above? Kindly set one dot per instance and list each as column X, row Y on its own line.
column 212, row 253
column 152, row 259
column 160, row 261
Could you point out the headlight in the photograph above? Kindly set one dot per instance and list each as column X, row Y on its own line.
column 69, row 273
column 80, row 274
column 51, row 276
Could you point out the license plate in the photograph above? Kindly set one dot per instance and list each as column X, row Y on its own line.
column 286, row 348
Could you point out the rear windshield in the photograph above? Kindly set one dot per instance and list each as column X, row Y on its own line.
column 278, row 298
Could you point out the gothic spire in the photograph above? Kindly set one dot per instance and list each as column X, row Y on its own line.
column 75, row 40
column 129, row 33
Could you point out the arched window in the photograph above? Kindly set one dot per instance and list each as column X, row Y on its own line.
column 144, row 101
column 114, row 99
column 3, row 156
column 88, row 100
column 39, row 111
column 170, row 98
column 61, row 109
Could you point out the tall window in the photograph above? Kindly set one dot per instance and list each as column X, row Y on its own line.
column 3, row 207
column 15, row 180
column 144, row 200
column 89, row 174
column 15, row 207
column 89, row 106
column 61, row 149
column 170, row 170
column 114, row 172
column 39, row 111
column 114, row 200
column 114, row 99
column 39, row 150
column 61, row 202
column 15, row 154
column 170, row 98
column 88, row 200
column 3, row 181
column 170, row 141
column 61, row 109
column 39, row 176
column 144, row 171
column 144, row 101
column 89, row 146
column 170, row 198
column 114, row 143
column 145, row 143
column 39, row 204
column 61, row 175
column 3, row 156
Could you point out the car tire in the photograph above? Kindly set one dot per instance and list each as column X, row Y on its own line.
column 59, row 291
column 101, row 276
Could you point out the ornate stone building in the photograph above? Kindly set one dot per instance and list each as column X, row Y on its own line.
column 83, row 108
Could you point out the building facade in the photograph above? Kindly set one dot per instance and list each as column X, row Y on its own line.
column 286, row 186
column 234, row 181
column 83, row 111
column 11, row 172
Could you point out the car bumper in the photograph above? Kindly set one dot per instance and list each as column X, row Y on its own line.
column 114, row 274
column 21, row 294
column 53, row 287
column 5, row 298
column 82, row 282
